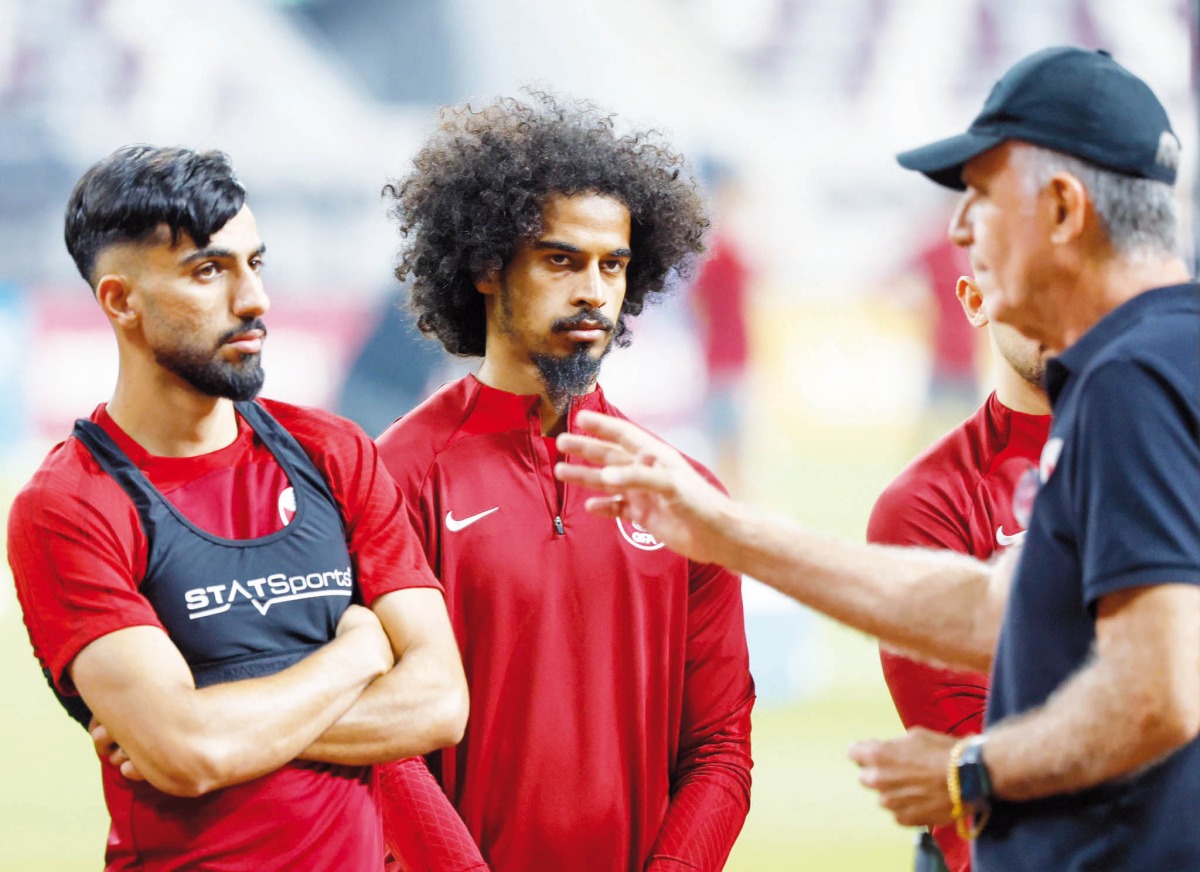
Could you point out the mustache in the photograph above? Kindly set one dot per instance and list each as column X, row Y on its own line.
column 595, row 316
column 245, row 327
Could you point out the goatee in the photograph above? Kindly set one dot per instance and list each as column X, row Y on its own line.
column 568, row 377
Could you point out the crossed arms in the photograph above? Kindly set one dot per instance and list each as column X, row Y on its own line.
column 388, row 685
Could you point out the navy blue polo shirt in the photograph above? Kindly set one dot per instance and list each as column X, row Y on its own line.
column 1118, row 507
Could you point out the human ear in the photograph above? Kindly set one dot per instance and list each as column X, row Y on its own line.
column 114, row 293
column 489, row 283
column 971, row 301
column 1069, row 200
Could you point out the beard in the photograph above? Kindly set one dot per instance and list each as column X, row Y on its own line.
column 568, row 377
column 573, row 375
column 214, row 376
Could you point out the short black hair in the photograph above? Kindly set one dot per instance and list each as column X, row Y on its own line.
column 479, row 186
column 128, row 195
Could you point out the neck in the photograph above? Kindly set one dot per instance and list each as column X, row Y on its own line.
column 167, row 416
column 1018, row 394
column 1105, row 284
column 524, row 379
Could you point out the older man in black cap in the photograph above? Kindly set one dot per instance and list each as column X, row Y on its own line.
column 1090, row 758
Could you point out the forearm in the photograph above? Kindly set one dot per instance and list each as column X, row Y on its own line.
column 198, row 740
column 421, row 829
column 933, row 604
column 1136, row 701
column 415, row 708
column 707, row 810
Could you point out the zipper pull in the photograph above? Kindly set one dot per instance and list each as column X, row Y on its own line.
column 558, row 526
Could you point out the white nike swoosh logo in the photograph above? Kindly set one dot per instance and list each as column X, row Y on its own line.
column 454, row 525
column 1004, row 540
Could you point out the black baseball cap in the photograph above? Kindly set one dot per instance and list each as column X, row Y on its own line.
column 1079, row 102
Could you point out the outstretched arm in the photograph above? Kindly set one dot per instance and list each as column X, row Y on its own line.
column 940, row 606
column 420, row 704
column 188, row 741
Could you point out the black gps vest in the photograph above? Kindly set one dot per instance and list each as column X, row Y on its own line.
column 238, row 608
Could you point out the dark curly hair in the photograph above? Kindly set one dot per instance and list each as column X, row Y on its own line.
column 479, row 186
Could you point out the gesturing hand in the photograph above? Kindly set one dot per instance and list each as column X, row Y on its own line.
column 647, row 482
column 910, row 775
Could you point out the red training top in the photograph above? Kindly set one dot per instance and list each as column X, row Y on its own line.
column 610, row 688
column 957, row 495
column 720, row 297
column 78, row 554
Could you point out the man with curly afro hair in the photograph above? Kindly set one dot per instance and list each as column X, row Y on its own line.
column 609, row 678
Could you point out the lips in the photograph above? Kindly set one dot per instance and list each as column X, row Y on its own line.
column 584, row 327
column 586, row 331
column 249, row 342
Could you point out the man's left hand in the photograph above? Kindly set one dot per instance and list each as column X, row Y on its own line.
column 910, row 775
column 108, row 749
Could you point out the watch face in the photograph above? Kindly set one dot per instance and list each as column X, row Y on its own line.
column 973, row 782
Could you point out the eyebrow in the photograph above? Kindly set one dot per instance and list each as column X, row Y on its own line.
column 218, row 253
column 551, row 244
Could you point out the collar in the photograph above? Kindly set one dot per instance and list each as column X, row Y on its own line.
column 1175, row 298
column 495, row 410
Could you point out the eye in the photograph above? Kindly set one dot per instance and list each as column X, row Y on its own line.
column 256, row 264
column 560, row 260
column 613, row 266
column 207, row 270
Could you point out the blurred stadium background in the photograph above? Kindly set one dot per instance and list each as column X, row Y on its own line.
column 319, row 102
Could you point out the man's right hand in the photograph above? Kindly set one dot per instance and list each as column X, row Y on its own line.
column 648, row 483
column 370, row 634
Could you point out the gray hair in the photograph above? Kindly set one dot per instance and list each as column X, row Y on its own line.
column 1139, row 216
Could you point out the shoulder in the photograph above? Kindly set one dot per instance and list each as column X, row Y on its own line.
column 1162, row 342
column 934, row 490
column 414, row 441
column 315, row 429
column 69, row 483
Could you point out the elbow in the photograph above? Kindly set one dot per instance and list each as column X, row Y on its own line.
column 1179, row 722
column 446, row 720
column 451, row 719
column 1169, row 724
column 187, row 773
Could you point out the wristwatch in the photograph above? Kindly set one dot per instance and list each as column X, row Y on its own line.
column 974, row 780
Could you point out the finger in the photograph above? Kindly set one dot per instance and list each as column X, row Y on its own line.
column 593, row 450
column 636, row 477
column 866, row 752
column 576, row 473
column 629, row 436
column 606, row 507
column 101, row 739
column 130, row 771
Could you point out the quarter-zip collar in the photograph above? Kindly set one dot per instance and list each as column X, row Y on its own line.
column 497, row 411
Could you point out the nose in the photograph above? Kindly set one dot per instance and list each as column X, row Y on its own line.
column 959, row 230
column 249, row 297
column 590, row 291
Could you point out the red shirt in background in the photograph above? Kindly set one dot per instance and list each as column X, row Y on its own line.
column 957, row 495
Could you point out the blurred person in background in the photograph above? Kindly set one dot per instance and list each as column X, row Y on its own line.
column 720, row 302
column 193, row 564
column 970, row 492
column 394, row 369
column 611, row 694
column 1090, row 757
column 953, row 390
